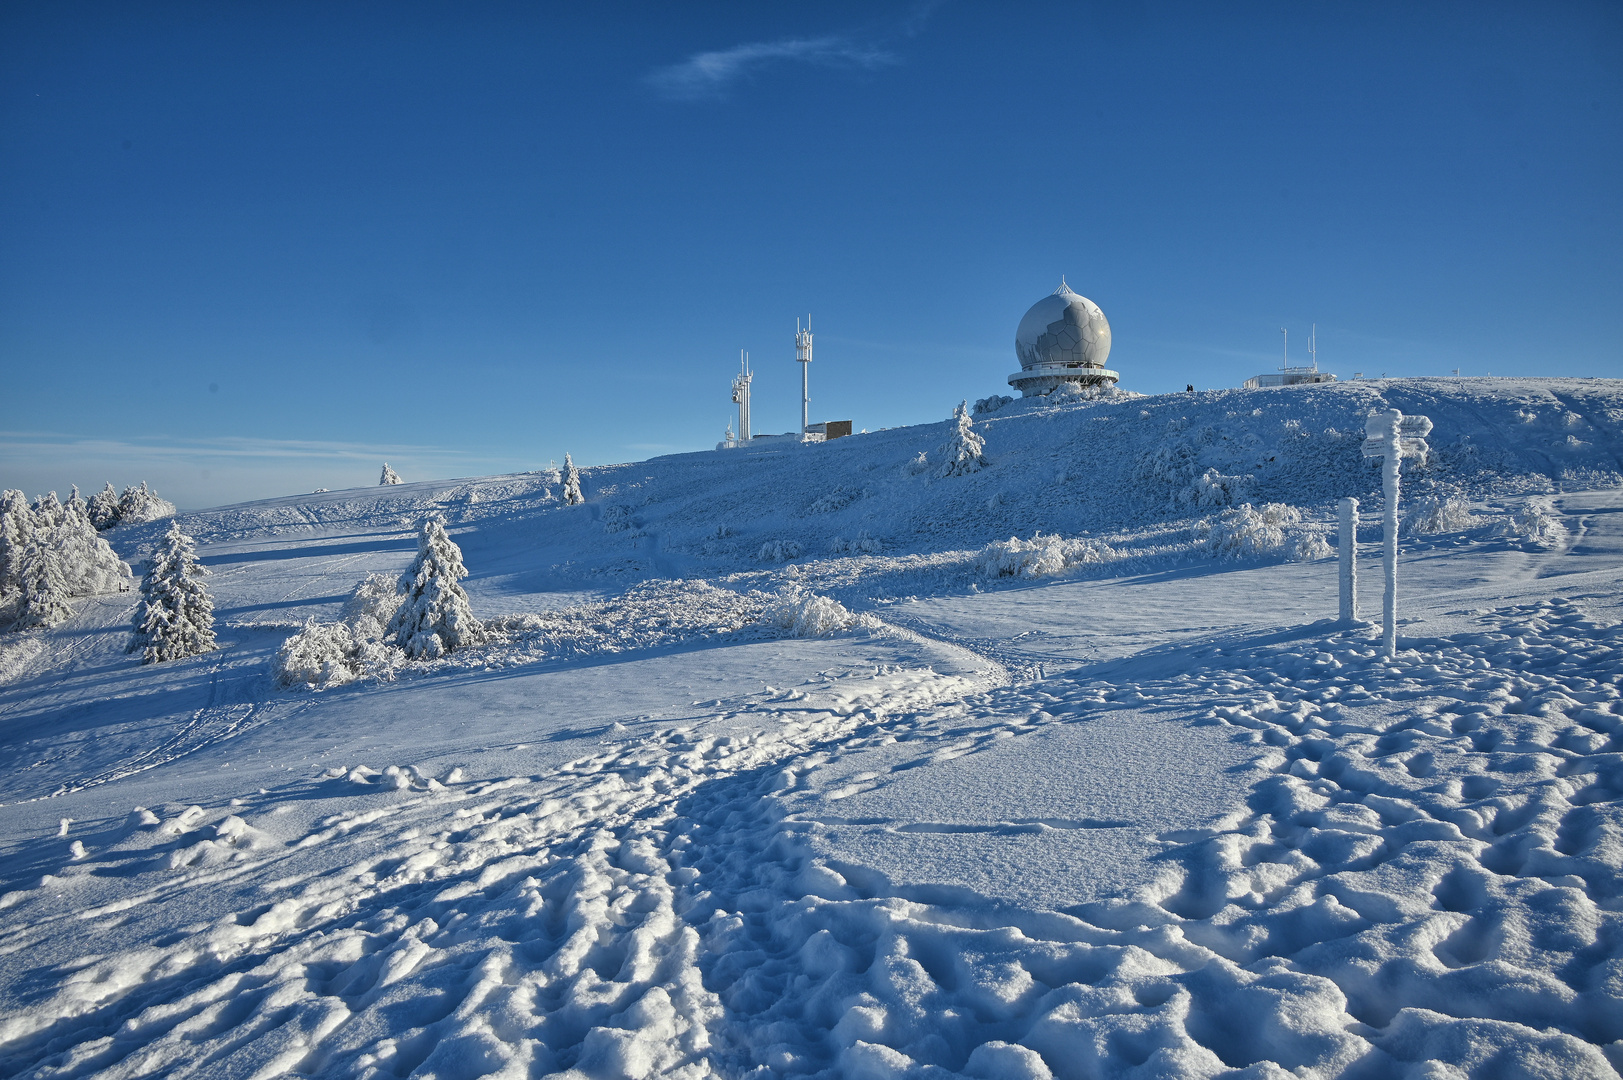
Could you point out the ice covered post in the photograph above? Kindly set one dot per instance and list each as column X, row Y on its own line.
column 1393, row 437
column 1348, row 552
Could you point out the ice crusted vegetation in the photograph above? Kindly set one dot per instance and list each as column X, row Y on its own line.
column 1438, row 512
column 1537, row 525
column 965, row 452
column 1041, row 556
column 799, row 612
column 1274, row 529
column 332, row 654
column 388, row 478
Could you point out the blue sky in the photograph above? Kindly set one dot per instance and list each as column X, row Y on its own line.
column 253, row 249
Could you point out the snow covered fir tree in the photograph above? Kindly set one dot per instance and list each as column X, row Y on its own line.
column 435, row 616
column 389, row 477
column 572, row 495
column 175, row 618
column 965, row 451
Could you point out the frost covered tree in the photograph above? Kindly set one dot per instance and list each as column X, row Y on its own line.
column 16, row 529
column 435, row 617
column 89, row 565
column 140, row 505
column 102, row 509
column 175, row 618
column 42, row 587
column 965, row 450
column 389, row 477
column 572, row 495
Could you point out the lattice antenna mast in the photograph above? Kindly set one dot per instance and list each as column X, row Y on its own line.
column 741, row 394
column 803, row 356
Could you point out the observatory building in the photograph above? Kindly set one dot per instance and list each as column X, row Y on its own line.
column 1064, row 338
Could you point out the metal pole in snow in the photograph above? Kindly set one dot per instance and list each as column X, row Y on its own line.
column 1348, row 545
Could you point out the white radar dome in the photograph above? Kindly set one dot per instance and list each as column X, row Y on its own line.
column 1063, row 338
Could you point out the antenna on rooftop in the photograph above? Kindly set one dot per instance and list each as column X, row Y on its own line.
column 741, row 395
column 1286, row 359
column 1313, row 347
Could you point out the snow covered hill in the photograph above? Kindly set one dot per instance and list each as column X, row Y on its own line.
column 788, row 761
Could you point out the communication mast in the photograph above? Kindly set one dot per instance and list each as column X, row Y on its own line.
column 741, row 395
column 1313, row 347
column 803, row 355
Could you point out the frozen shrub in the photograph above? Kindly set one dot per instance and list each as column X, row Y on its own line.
column 1308, row 545
column 986, row 406
column 571, row 481
column 1212, row 488
column 965, row 451
column 378, row 598
column 435, row 616
column 862, row 545
column 617, row 519
column 779, row 551
column 1536, row 524
column 138, row 506
column 1247, row 530
column 1039, row 557
column 800, row 612
column 332, row 654
column 838, row 499
column 175, row 618
column 389, row 477
column 1440, row 512
column 917, row 465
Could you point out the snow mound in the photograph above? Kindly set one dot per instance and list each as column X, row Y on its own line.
column 1041, row 556
column 799, row 612
column 779, row 551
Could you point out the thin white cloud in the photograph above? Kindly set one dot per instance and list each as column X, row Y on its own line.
column 708, row 75
column 15, row 444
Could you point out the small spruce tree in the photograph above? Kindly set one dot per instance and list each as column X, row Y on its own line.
column 175, row 618
column 965, row 451
column 16, row 529
column 103, row 508
column 435, row 617
column 572, row 495
column 389, row 477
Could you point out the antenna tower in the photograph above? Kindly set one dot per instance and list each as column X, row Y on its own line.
column 803, row 356
column 1286, row 359
column 1313, row 347
column 741, row 395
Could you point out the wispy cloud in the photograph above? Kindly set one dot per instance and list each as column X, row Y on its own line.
column 709, row 75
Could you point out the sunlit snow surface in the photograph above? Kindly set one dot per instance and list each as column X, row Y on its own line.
column 1156, row 816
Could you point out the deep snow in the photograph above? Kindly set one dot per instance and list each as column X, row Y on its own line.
column 1121, row 799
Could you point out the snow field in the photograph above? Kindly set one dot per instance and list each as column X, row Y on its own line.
column 1144, row 819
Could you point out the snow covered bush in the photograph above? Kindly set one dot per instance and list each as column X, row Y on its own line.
column 799, row 612
column 389, row 477
column 779, row 551
column 862, row 545
column 1439, row 512
column 1212, row 488
column 434, row 617
column 918, row 465
column 572, row 495
column 175, row 618
column 1537, row 524
column 137, row 506
column 617, row 519
column 1272, row 529
column 838, row 499
column 1039, row 557
column 332, row 654
column 988, row 405
column 965, row 451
